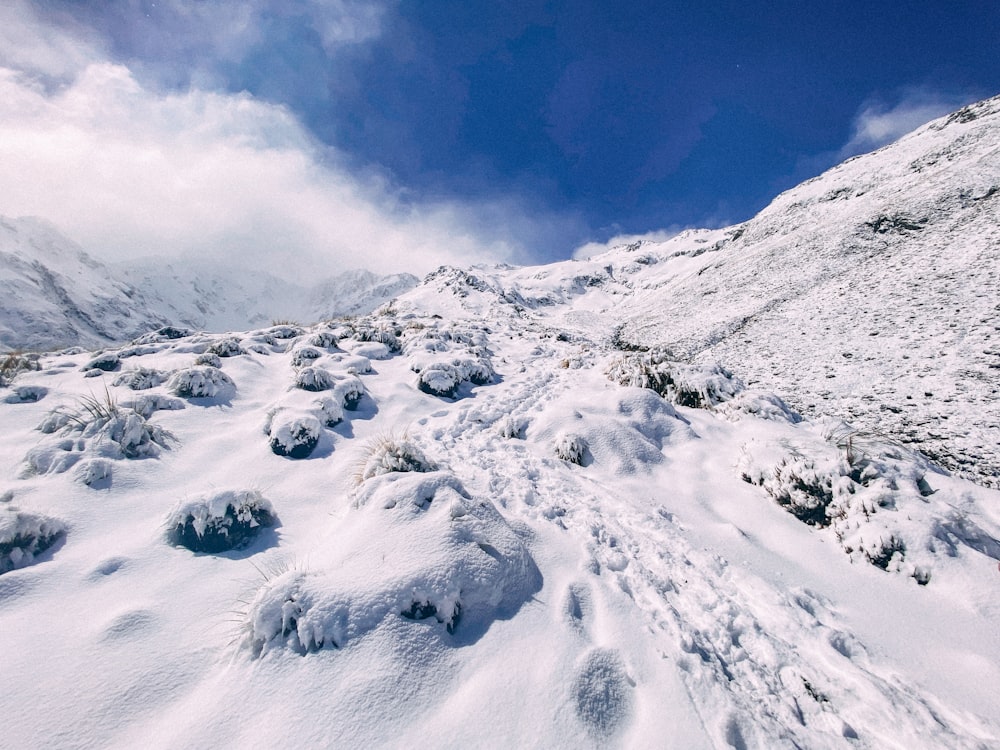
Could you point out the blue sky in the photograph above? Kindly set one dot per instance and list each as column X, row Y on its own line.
column 550, row 124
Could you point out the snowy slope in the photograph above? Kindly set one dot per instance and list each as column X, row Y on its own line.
column 483, row 517
column 474, row 530
column 53, row 294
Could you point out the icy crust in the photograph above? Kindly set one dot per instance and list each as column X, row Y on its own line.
column 24, row 536
column 221, row 521
column 877, row 499
column 417, row 548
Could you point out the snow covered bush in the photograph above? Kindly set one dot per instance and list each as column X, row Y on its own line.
column 419, row 549
column 208, row 359
column 695, row 386
column 220, row 522
column 94, row 472
column 201, row 382
column 759, row 404
column 24, row 536
column 323, row 340
column 387, row 454
column 874, row 497
column 570, row 448
column 147, row 403
column 305, row 355
column 167, row 333
column 349, row 390
column 284, row 330
column 26, row 394
column 314, row 379
column 227, row 347
column 14, row 363
column 292, row 433
column 439, row 379
column 107, row 362
column 141, row 379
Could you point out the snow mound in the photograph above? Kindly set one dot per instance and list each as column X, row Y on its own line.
column 221, row 521
column 417, row 548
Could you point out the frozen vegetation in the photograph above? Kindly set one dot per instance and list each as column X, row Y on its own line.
column 643, row 500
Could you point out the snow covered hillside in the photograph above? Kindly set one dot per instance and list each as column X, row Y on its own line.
column 526, row 507
column 456, row 524
column 53, row 294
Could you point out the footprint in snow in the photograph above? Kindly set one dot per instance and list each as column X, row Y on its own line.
column 602, row 692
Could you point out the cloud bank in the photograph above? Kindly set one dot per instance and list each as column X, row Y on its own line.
column 129, row 171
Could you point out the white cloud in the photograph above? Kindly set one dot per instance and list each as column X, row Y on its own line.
column 29, row 44
column 128, row 172
column 591, row 249
column 878, row 123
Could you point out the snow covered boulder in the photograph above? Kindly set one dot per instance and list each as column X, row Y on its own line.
column 416, row 549
column 220, row 522
column 24, row 536
column 201, row 382
column 141, row 379
column 292, row 433
column 349, row 390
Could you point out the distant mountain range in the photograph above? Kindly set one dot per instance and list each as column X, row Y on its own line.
column 53, row 294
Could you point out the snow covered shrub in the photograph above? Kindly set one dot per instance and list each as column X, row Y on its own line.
column 26, row 394
column 421, row 550
column 24, row 536
column 208, row 359
column 349, row 390
column 227, row 347
column 201, row 382
column 511, row 427
column 305, row 355
column 94, row 471
column 378, row 335
column 695, row 386
column 141, row 379
column 167, row 333
column 331, row 410
column 148, row 403
column 220, row 522
column 313, row 379
column 14, row 363
column 107, row 362
column 878, row 503
column 387, row 454
column 759, row 404
column 570, row 448
column 284, row 330
column 439, row 379
column 293, row 434
column 323, row 340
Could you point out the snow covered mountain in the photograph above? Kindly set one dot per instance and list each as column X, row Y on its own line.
column 523, row 507
column 212, row 296
column 53, row 294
